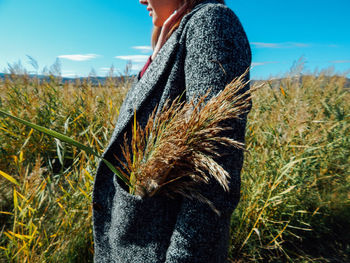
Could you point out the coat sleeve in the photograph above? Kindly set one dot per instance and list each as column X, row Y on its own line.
column 217, row 51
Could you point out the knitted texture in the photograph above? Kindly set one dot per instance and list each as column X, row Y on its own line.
column 208, row 50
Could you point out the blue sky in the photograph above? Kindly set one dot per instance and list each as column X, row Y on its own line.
column 100, row 33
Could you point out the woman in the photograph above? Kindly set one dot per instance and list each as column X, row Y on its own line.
column 201, row 46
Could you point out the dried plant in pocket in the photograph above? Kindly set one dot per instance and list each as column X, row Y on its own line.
column 176, row 149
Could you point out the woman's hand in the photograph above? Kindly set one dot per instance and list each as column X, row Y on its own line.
column 168, row 24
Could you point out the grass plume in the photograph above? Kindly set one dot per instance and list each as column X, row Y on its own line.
column 295, row 180
column 176, row 149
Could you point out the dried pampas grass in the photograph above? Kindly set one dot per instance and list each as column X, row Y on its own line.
column 175, row 150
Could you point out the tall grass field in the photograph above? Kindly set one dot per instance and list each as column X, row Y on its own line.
column 295, row 196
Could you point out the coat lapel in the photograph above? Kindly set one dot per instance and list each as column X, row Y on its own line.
column 143, row 88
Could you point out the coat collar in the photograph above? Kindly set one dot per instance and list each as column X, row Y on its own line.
column 203, row 3
column 143, row 88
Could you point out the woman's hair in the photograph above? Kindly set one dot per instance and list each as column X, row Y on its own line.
column 190, row 5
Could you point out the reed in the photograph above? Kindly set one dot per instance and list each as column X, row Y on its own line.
column 52, row 197
column 295, row 179
column 180, row 142
column 177, row 148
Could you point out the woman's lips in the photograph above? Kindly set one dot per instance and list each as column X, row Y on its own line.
column 150, row 11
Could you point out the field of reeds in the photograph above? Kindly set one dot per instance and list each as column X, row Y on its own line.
column 295, row 199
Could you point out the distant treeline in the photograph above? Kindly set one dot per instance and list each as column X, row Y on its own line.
column 96, row 80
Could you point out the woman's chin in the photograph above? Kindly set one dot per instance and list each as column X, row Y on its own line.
column 157, row 22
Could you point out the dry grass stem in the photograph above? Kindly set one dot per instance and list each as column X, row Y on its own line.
column 176, row 149
column 295, row 188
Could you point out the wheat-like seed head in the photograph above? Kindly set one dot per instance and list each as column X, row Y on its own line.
column 176, row 149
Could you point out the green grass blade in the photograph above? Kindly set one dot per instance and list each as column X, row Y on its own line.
column 114, row 170
column 52, row 133
column 9, row 177
column 68, row 140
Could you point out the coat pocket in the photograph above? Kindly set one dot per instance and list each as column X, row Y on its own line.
column 141, row 227
column 138, row 220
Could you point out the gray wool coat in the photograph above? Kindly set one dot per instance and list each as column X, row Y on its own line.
column 208, row 50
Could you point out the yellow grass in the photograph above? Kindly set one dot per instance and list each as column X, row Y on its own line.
column 295, row 181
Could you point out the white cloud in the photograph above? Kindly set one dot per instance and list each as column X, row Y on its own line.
column 137, row 67
column 265, row 45
column 254, row 64
column 144, row 49
column 134, row 58
column 69, row 75
column 298, row 44
column 279, row 45
column 79, row 57
column 105, row 69
column 339, row 61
